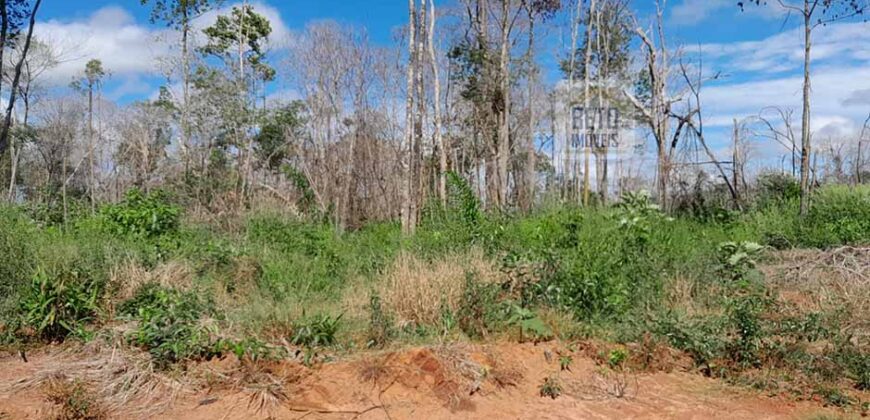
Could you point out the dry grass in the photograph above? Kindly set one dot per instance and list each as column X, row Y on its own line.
column 415, row 291
column 823, row 281
column 127, row 277
column 125, row 381
column 72, row 400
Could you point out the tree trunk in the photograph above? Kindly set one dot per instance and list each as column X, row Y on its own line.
column 503, row 152
column 806, row 147
column 436, row 86
column 530, row 180
column 91, row 184
column 7, row 121
column 567, row 164
column 420, row 115
column 185, row 83
column 587, row 62
column 408, row 193
column 736, row 165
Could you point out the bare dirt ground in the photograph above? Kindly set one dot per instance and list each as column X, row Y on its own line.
column 496, row 381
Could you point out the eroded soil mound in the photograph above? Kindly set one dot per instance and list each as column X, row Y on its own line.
column 493, row 381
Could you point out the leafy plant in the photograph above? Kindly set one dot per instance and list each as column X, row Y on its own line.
column 551, row 387
column 74, row 401
column 380, row 323
column 478, row 311
column 169, row 325
column 738, row 259
column 530, row 325
column 616, row 357
column 61, row 303
column 565, row 361
column 147, row 215
column 316, row 331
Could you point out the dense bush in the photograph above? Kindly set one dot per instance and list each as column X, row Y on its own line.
column 144, row 214
column 17, row 259
column 170, row 324
column 839, row 214
column 59, row 302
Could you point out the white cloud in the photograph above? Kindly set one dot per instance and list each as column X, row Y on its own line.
column 278, row 39
column 842, row 42
column 110, row 35
column 693, row 12
column 831, row 86
column 128, row 50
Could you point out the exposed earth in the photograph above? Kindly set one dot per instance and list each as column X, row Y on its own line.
column 494, row 381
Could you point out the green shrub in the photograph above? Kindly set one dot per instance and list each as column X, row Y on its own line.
column 142, row 214
column 775, row 188
column 60, row 302
column 839, row 215
column 478, row 313
column 316, row 331
column 380, row 323
column 700, row 337
column 17, row 260
column 169, row 325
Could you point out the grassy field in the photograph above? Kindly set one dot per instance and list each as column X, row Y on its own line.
column 761, row 298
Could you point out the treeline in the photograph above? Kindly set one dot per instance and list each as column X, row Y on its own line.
column 377, row 129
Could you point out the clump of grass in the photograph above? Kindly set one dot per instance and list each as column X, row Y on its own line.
column 419, row 291
column 169, row 325
column 551, row 387
column 73, row 400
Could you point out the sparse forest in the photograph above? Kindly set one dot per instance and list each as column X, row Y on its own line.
column 514, row 200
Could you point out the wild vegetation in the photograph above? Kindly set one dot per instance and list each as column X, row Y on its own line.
column 208, row 223
column 145, row 272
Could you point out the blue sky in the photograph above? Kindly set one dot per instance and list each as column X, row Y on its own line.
column 757, row 51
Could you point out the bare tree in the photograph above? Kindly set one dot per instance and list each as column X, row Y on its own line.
column 657, row 111
column 5, row 24
column 815, row 13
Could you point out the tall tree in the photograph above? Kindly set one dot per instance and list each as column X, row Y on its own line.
column 12, row 13
column 410, row 190
column 436, row 93
column 814, row 13
column 179, row 14
column 42, row 57
column 239, row 40
column 91, row 82
column 535, row 9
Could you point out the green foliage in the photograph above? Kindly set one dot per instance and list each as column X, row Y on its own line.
column 223, row 39
column 177, row 13
column 305, row 202
column 279, row 126
column 316, row 331
column 839, row 215
column 142, row 214
column 380, row 323
column 169, row 325
column 551, row 387
column 462, row 199
column 700, row 337
column 737, row 259
column 833, row 396
column 478, row 312
column 616, row 357
column 776, row 188
column 529, row 324
column 17, row 259
column 60, row 302
column 565, row 361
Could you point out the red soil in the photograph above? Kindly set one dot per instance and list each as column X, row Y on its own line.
column 499, row 381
